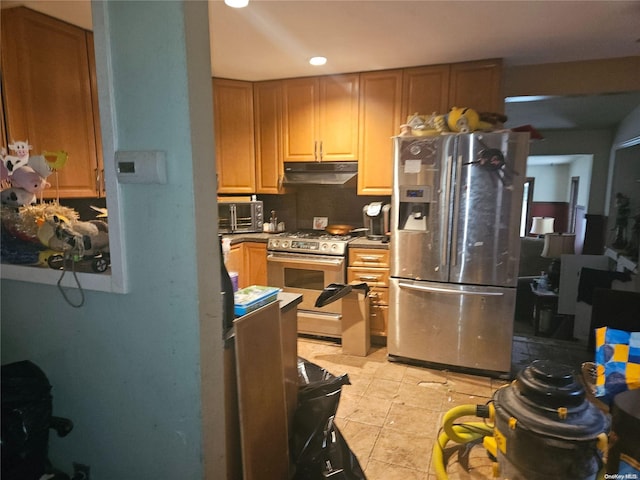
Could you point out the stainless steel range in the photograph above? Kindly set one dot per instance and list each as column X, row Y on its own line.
column 305, row 263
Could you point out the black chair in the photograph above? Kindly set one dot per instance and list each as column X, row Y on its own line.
column 26, row 420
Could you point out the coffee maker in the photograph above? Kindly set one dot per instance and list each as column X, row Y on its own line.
column 375, row 217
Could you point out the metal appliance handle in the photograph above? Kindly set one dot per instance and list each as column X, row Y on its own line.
column 305, row 260
column 233, row 218
column 444, row 232
column 450, row 291
column 456, row 213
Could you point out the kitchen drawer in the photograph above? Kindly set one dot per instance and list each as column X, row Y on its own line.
column 374, row 277
column 379, row 296
column 368, row 257
column 379, row 319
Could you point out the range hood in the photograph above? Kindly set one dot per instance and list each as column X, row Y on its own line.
column 344, row 174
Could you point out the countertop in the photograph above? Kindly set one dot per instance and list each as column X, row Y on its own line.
column 357, row 242
column 364, row 242
column 288, row 299
column 247, row 237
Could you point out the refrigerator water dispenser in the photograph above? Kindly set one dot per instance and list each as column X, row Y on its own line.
column 414, row 207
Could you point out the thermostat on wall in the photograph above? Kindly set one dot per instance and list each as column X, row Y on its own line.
column 149, row 166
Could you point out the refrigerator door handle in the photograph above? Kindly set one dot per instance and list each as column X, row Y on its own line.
column 451, row 291
column 456, row 213
column 444, row 232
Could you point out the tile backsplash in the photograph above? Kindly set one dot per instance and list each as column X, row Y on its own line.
column 340, row 205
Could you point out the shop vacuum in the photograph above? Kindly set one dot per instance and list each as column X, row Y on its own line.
column 540, row 426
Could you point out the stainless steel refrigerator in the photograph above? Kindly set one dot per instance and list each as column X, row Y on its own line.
column 456, row 209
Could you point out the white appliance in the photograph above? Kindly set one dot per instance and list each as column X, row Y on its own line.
column 455, row 248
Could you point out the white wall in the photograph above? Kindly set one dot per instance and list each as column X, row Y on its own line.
column 581, row 167
column 588, row 142
column 551, row 182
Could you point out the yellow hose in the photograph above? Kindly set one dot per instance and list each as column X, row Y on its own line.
column 451, row 416
column 463, row 433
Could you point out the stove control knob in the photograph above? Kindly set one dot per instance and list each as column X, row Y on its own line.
column 275, row 243
column 335, row 248
column 285, row 244
column 324, row 246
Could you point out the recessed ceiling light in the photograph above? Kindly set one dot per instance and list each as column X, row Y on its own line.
column 236, row 3
column 318, row 61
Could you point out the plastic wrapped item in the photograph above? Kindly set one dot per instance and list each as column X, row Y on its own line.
column 318, row 449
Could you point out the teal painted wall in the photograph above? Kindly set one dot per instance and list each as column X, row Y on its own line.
column 127, row 368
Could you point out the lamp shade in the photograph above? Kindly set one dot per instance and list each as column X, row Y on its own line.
column 542, row 225
column 556, row 244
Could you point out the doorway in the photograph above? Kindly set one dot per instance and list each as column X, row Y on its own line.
column 573, row 203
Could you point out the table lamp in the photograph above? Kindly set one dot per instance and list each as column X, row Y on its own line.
column 540, row 226
column 555, row 245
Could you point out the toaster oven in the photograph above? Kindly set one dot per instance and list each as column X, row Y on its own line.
column 240, row 216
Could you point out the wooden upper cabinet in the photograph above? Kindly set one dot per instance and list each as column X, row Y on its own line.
column 339, row 108
column 234, row 135
column 320, row 118
column 477, row 85
column 380, row 100
column 300, row 117
column 267, row 98
column 100, row 183
column 425, row 90
column 47, row 81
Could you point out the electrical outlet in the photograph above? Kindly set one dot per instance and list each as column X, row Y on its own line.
column 80, row 471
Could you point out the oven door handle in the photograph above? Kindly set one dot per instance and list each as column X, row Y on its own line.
column 319, row 261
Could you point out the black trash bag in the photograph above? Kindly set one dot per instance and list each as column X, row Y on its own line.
column 26, row 420
column 318, row 449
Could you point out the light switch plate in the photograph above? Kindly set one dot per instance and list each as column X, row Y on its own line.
column 147, row 166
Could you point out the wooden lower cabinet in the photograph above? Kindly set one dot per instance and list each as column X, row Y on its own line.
column 261, row 396
column 378, row 319
column 255, row 258
column 371, row 266
column 249, row 260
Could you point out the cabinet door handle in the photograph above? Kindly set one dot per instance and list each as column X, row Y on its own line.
column 321, row 151
column 96, row 172
column 366, row 258
column 370, row 278
column 280, row 181
column 315, row 150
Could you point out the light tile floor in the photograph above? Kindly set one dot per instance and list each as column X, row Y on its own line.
column 391, row 413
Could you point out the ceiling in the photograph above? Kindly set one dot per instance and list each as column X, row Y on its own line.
column 275, row 38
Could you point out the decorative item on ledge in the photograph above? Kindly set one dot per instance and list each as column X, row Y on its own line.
column 555, row 245
column 541, row 226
